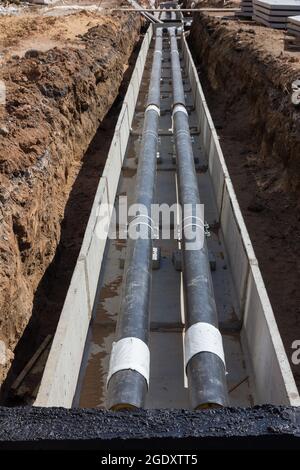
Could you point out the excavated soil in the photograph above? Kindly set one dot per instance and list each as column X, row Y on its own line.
column 247, row 79
column 62, row 75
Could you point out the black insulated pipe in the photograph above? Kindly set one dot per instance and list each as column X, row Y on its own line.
column 205, row 365
column 177, row 83
column 128, row 376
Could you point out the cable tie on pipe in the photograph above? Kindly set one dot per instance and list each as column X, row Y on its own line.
column 146, row 216
column 203, row 337
column 153, row 133
column 129, row 353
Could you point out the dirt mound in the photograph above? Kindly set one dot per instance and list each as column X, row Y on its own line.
column 55, row 100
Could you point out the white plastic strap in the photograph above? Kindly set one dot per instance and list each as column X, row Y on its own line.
column 143, row 216
column 135, row 221
column 130, row 353
column 153, row 107
column 180, row 107
column 203, row 337
column 200, row 227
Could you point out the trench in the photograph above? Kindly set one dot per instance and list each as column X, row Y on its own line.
column 168, row 382
column 52, row 289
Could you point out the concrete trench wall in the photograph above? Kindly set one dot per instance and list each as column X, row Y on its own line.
column 265, row 427
column 273, row 381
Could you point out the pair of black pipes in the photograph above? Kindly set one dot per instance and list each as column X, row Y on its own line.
column 127, row 388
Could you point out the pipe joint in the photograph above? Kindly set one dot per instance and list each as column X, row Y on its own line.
column 130, row 353
column 203, row 337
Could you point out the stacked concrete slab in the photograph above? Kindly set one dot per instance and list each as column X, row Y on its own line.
column 246, row 8
column 293, row 25
column 275, row 13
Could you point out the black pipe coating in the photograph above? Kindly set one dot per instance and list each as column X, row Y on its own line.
column 205, row 370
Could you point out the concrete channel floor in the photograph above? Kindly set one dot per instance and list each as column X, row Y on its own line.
column 168, row 387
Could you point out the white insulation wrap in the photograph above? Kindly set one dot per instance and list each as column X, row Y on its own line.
column 130, row 353
column 203, row 337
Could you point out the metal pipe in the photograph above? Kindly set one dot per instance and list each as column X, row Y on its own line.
column 127, row 383
column 205, row 366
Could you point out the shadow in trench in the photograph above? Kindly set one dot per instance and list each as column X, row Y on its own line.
column 51, row 292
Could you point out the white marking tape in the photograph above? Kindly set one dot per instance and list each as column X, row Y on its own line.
column 153, row 108
column 203, row 337
column 129, row 353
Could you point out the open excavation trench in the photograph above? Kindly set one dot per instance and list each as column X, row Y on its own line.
column 247, row 80
column 47, row 232
column 207, row 322
column 55, row 102
column 167, row 381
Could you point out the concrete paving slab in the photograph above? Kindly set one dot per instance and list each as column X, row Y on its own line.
column 271, row 18
column 278, row 4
